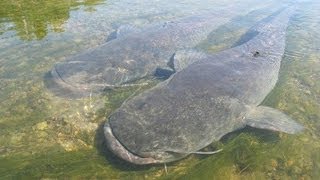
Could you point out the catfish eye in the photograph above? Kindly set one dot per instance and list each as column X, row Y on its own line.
column 256, row 54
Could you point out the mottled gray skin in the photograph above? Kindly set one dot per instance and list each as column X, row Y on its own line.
column 132, row 55
column 201, row 103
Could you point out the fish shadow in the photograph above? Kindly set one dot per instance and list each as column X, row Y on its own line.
column 264, row 135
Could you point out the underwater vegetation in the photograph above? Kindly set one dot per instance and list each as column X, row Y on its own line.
column 33, row 19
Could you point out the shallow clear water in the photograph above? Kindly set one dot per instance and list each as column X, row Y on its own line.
column 45, row 136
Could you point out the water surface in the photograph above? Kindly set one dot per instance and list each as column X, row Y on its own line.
column 45, row 136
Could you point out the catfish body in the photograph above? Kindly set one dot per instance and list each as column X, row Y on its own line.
column 204, row 100
column 132, row 55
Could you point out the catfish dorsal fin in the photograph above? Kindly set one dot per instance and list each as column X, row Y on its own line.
column 268, row 118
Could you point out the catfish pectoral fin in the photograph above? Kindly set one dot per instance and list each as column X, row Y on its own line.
column 268, row 118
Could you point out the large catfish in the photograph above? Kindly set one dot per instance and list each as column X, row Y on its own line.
column 205, row 100
column 132, row 55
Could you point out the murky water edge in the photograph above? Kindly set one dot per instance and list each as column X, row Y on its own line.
column 45, row 136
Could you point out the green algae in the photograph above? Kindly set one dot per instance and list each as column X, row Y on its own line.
column 33, row 19
column 54, row 163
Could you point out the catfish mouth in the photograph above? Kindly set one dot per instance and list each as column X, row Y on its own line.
column 60, row 87
column 119, row 150
column 59, row 80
